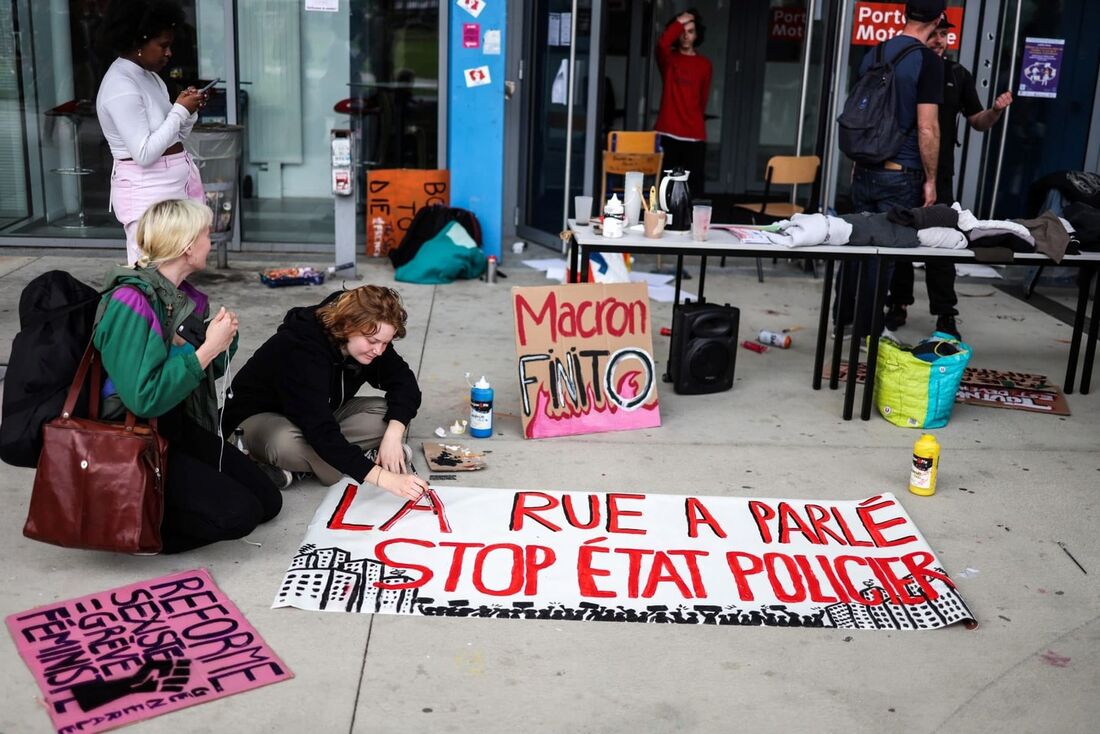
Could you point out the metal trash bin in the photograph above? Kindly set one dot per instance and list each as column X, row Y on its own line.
column 216, row 149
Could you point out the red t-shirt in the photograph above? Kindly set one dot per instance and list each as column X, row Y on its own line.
column 685, row 89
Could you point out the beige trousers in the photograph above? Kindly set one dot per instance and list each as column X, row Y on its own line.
column 272, row 438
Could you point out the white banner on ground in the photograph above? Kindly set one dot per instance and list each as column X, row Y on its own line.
column 621, row 556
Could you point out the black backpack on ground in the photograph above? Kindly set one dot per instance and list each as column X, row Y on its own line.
column 426, row 224
column 56, row 317
column 869, row 129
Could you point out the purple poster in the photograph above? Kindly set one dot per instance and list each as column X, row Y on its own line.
column 1041, row 67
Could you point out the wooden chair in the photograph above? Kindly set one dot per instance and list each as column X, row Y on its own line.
column 782, row 170
column 632, row 141
column 619, row 164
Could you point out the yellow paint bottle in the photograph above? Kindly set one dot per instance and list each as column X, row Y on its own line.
column 926, row 464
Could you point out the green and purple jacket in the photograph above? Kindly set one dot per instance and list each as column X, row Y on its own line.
column 148, row 374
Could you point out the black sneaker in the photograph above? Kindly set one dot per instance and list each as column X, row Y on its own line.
column 895, row 317
column 946, row 324
column 281, row 478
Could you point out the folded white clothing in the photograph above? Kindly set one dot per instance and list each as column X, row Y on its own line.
column 967, row 221
column 943, row 237
column 807, row 230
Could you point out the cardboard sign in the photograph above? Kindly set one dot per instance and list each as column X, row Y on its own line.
column 131, row 653
column 585, row 359
column 873, row 23
column 1013, row 398
column 477, row 77
column 394, row 196
column 622, row 557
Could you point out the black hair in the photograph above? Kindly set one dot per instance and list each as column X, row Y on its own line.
column 128, row 24
column 700, row 29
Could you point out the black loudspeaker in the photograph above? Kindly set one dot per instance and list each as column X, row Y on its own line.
column 703, row 351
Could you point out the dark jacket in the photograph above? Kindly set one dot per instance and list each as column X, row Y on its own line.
column 301, row 373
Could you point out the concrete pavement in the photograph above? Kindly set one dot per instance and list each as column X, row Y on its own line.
column 1017, row 502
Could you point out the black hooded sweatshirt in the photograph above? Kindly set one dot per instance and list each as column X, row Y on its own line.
column 301, row 373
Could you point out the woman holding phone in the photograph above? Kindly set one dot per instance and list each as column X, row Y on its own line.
column 142, row 125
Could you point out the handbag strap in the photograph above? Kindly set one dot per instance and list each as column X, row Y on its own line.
column 78, row 382
column 90, row 362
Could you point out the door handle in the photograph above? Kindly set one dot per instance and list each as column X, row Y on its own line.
column 509, row 88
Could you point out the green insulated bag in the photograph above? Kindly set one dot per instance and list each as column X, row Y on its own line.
column 915, row 387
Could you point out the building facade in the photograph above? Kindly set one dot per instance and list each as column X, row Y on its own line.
column 515, row 98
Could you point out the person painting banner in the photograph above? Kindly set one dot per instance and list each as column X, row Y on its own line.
column 686, row 77
column 143, row 127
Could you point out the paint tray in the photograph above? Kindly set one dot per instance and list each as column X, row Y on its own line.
column 280, row 277
column 449, row 457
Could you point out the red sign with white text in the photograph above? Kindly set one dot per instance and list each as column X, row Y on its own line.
column 874, row 23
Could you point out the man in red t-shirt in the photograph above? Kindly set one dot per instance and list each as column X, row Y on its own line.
column 686, row 87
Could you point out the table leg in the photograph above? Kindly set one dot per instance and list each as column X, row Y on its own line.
column 586, row 264
column 876, row 329
column 702, row 278
column 574, row 269
column 853, row 348
column 1094, row 328
column 1084, row 285
column 823, row 324
column 838, row 327
column 679, row 278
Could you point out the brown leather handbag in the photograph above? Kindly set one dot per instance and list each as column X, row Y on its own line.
column 99, row 484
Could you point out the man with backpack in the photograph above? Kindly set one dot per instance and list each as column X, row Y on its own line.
column 890, row 129
column 959, row 97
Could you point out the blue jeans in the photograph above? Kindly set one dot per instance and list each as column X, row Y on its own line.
column 876, row 191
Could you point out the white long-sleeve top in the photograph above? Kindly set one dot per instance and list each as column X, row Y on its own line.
column 138, row 118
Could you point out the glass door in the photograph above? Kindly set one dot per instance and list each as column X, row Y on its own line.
column 1048, row 57
column 557, row 132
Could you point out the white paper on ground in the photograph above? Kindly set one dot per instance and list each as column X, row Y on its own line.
column 545, row 263
column 651, row 278
column 967, row 270
column 665, row 293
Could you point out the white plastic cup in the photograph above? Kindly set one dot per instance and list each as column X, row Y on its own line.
column 632, row 197
column 700, row 222
column 582, row 208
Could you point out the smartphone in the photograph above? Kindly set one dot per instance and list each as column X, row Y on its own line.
column 209, row 86
column 192, row 330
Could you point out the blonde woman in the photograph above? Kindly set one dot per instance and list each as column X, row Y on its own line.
column 212, row 491
column 296, row 402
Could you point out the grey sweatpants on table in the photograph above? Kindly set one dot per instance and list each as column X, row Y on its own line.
column 272, row 438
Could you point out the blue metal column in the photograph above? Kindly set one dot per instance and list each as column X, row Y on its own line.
column 475, row 121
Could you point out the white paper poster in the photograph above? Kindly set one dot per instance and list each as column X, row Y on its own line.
column 324, row 6
column 621, row 556
column 491, row 44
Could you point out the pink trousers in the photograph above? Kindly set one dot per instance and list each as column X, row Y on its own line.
column 134, row 188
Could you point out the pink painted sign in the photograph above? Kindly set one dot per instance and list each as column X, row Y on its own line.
column 585, row 359
column 131, row 653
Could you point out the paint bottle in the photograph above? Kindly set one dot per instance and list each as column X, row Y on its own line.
column 754, row 347
column 481, row 409
column 614, row 217
column 926, row 465
column 783, row 341
column 491, row 270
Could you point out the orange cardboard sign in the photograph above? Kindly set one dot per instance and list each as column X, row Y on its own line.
column 873, row 23
column 585, row 359
column 394, row 196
